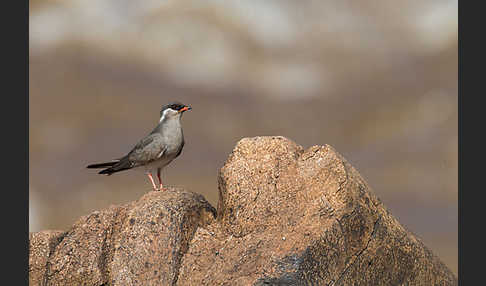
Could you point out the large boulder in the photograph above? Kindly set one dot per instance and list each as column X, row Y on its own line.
column 140, row 243
column 286, row 216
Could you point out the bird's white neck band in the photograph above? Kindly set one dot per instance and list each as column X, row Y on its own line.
column 164, row 115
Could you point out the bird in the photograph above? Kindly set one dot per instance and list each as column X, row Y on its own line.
column 156, row 150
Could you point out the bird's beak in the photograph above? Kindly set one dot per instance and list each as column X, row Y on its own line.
column 185, row 108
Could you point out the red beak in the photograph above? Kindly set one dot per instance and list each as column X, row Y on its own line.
column 185, row 108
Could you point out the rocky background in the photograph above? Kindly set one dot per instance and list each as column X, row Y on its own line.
column 376, row 80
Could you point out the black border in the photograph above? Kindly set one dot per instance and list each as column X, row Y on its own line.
column 15, row 144
column 471, row 205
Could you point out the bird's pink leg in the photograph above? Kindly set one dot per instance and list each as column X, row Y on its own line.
column 152, row 180
column 160, row 180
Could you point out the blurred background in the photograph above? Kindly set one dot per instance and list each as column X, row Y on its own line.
column 377, row 80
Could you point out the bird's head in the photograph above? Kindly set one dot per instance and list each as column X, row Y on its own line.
column 173, row 110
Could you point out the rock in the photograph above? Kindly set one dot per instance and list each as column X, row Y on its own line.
column 286, row 216
column 292, row 217
column 41, row 246
column 140, row 243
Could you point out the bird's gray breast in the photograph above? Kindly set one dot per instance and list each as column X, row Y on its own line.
column 172, row 138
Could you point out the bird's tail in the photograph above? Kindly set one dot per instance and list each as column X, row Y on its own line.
column 107, row 171
column 112, row 166
column 102, row 165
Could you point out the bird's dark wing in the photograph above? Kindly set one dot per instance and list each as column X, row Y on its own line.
column 147, row 150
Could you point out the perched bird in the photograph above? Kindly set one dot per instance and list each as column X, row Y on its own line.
column 156, row 150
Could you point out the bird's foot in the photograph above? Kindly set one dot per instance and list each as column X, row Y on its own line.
column 158, row 189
